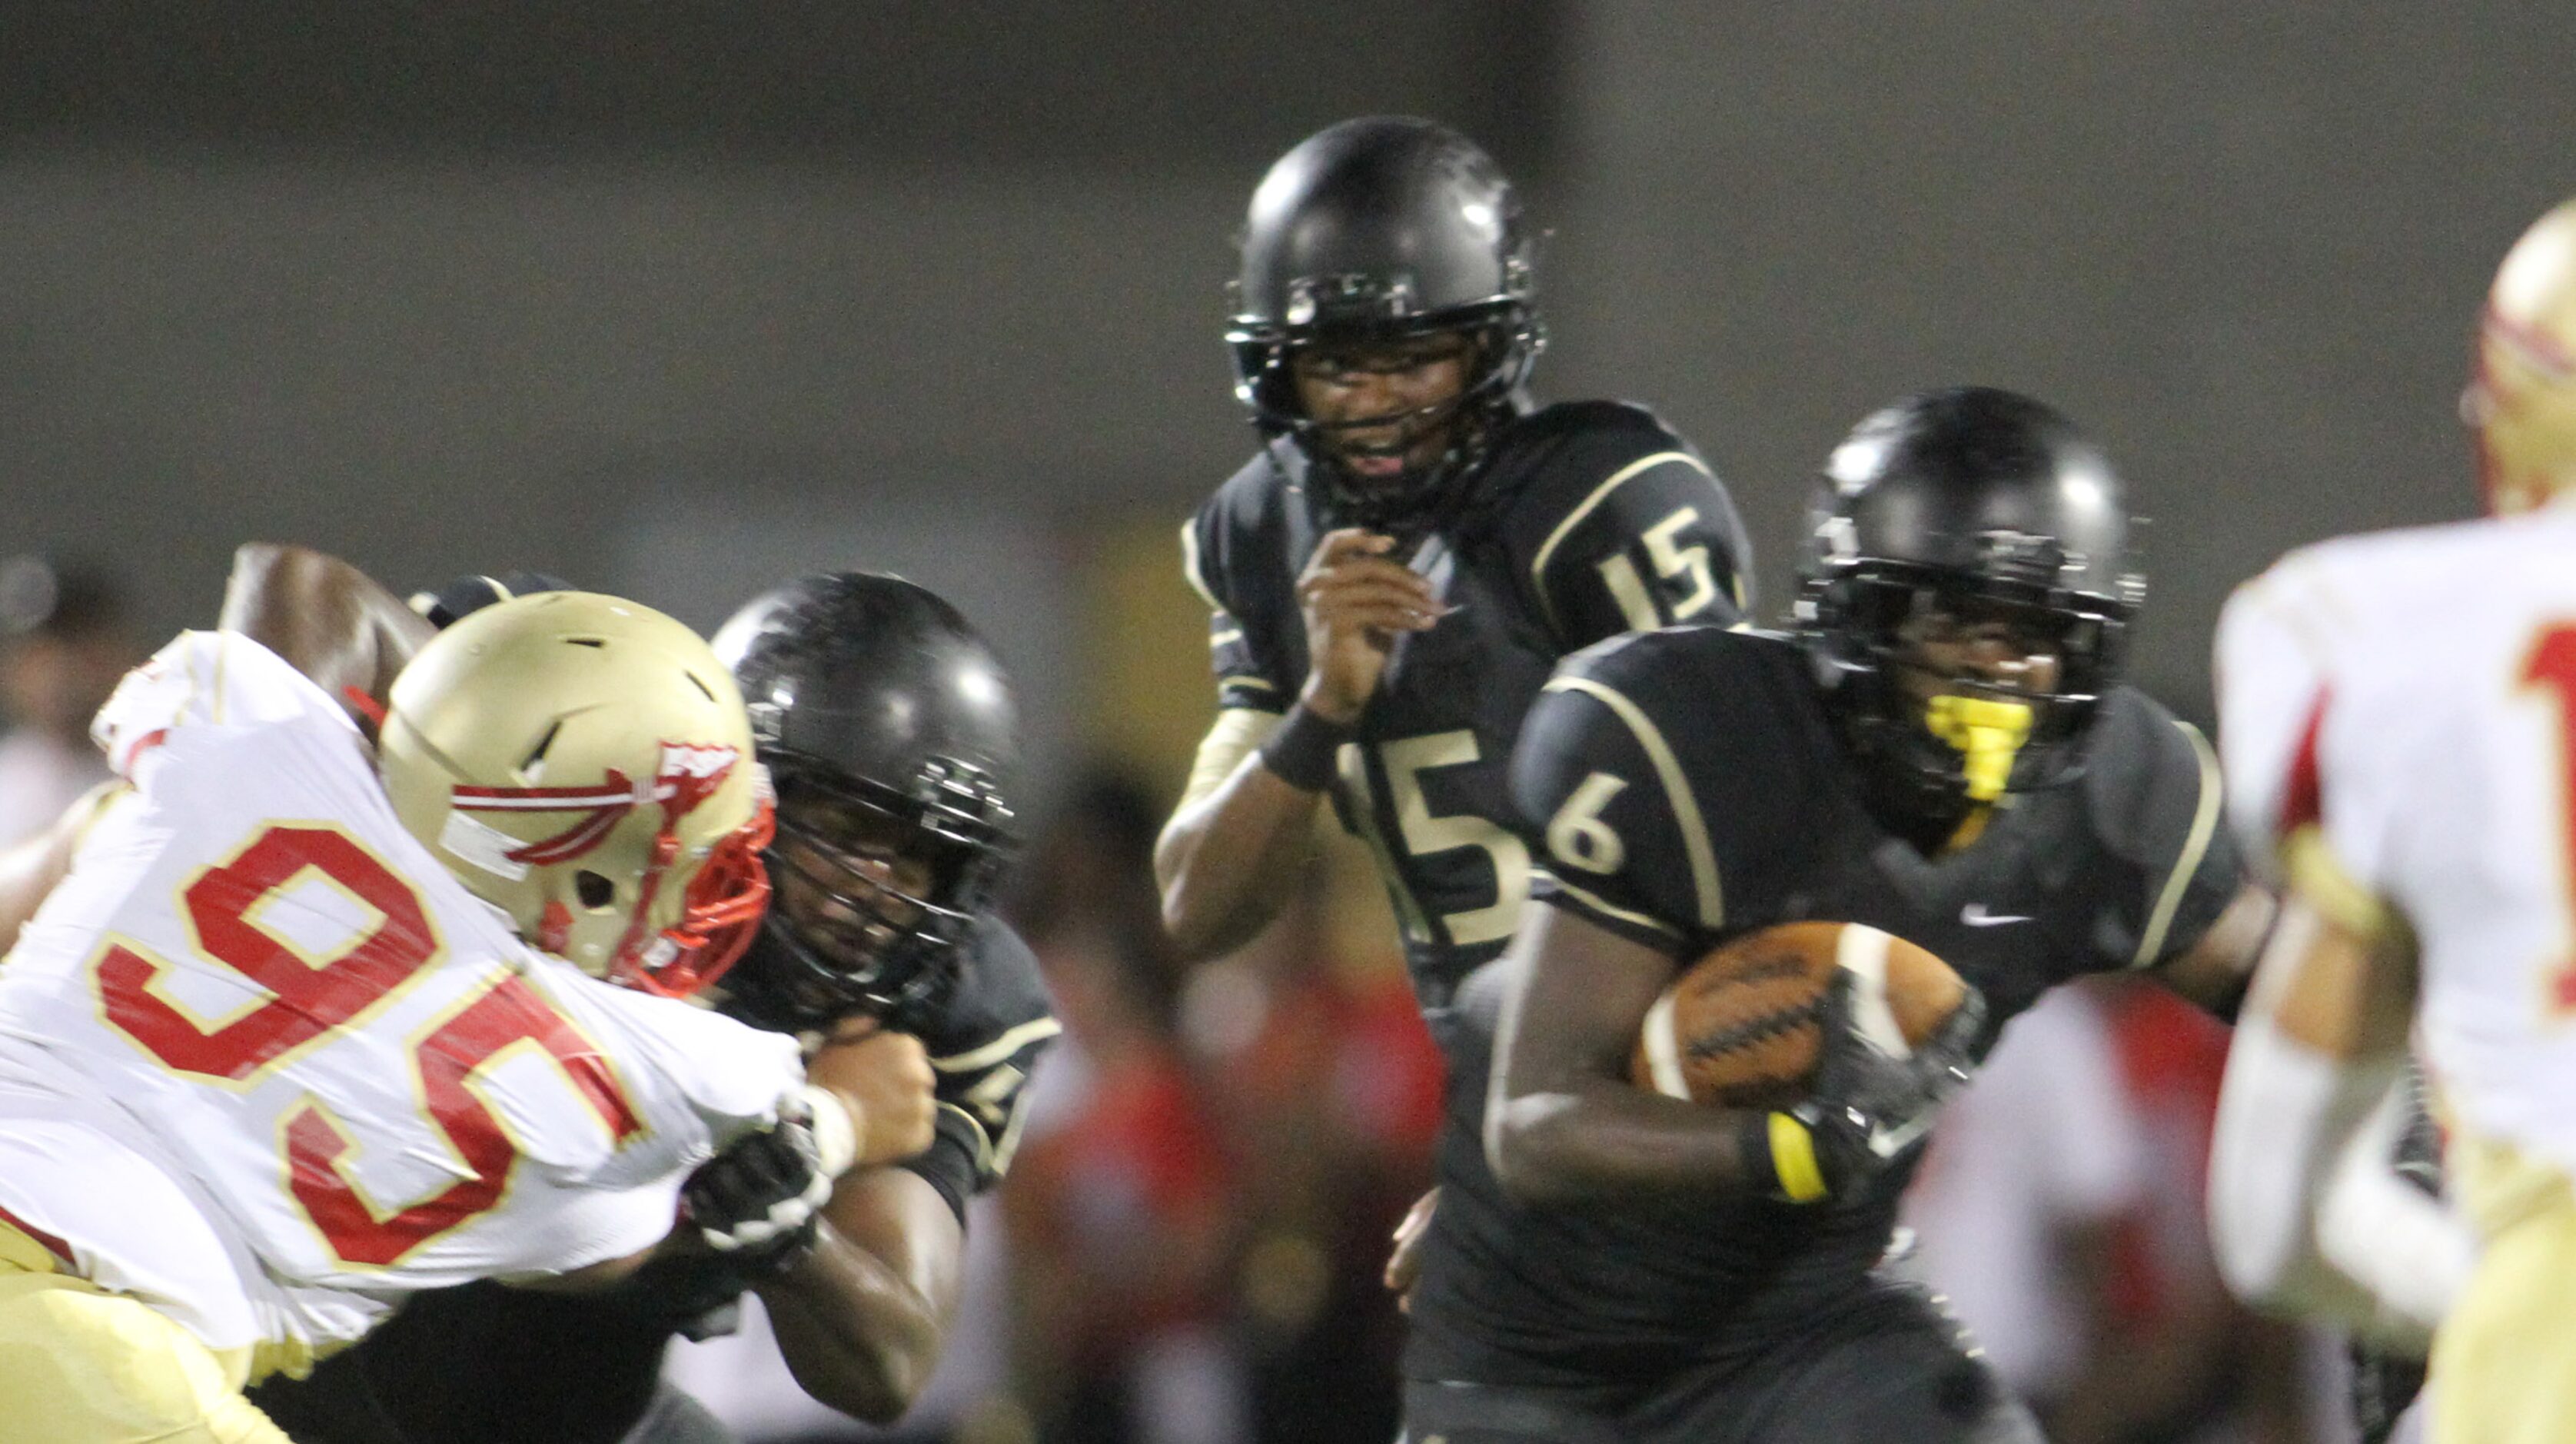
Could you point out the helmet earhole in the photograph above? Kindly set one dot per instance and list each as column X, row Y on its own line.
column 595, row 891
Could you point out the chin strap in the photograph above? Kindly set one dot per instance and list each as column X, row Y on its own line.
column 1988, row 734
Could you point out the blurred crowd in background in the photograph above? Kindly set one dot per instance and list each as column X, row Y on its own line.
column 1190, row 1245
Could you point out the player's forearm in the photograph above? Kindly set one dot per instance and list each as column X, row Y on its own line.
column 857, row 1337
column 327, row 618
column 2306, row 1213
column 1562, row 1122
column 1601, row 1139
column 1228, row 862
column 2306, row 1216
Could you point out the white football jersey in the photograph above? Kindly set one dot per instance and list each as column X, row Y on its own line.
column 266, row 1064
column 2412, row 695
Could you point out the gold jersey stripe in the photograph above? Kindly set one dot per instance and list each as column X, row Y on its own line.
column 983, row 1139
column 1234, row 735
column 1000, row 1048
column 2322, row 882
column 2204, row 825
column 1601, row 904
column 1686, row 814
column 223, row 652
column 1190, row 565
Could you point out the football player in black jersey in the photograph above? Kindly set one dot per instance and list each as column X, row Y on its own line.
column 889, row 730
column 1942, row 750
column 1399, row 567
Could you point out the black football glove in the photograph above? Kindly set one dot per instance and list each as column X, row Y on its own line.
column 1868, row 1106
column 759, row 1199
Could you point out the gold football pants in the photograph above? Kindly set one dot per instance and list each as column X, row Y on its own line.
column 79, row 1365
column 2504, row 1362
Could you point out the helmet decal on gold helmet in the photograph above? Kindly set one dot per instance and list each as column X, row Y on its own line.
column 2522, row 403
column 583, row 763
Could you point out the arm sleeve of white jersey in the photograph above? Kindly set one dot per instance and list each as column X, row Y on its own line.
column 2271, row 674
column 206, row 679
column 698, row 1079
column 2306, row 1216
column 726, row 1077
column 2311, row 738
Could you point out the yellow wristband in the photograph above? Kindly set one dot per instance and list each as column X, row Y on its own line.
column 1793, row 1158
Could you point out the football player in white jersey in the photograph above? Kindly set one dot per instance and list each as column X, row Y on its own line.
column 2400, row 734
column 305, row 1025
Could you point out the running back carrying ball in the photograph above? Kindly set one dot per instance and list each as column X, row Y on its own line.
column 1744, row 1026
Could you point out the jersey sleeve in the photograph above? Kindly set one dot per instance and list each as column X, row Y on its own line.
column 1627, row 529
column 2156, row 798
column 997, row 1024
column 1244, row 677
column 2271, row 681
column 207, row 679
column 699, row 1079
column 1617, row 828
column 2315, row 730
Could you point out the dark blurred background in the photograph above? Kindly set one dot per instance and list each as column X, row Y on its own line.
column 677, row 298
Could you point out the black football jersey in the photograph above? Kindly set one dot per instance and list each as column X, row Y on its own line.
column 983, row 1038
column 1685, row 786
column 1586, row 520
column 485, row 1364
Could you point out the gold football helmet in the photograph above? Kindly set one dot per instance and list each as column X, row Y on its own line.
column 583, row 763
column 2523, row 402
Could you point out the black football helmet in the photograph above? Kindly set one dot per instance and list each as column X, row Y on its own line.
column 1982, row 503
column 1381, row 229
column 869, row 692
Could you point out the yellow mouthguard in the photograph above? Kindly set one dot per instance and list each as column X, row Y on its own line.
column 1987, row 732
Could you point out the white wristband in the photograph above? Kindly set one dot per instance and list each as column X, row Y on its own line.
column 836, row 1132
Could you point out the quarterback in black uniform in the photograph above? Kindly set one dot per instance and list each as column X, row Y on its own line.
column 887, row 728
column 1396, row 571
column 1942, row 750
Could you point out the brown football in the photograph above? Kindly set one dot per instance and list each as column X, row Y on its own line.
column 1740, row 1028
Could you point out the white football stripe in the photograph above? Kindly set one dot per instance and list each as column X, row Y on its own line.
column 1863, row 950
column 1663, row 1050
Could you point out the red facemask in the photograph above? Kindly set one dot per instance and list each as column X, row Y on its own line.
column 718, row 919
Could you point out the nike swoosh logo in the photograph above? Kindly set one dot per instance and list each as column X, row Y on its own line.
column 1888, row 1142
column 1976, row 916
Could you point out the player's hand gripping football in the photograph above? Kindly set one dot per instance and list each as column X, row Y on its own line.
column 1869, row 1105
column 1357, row 598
